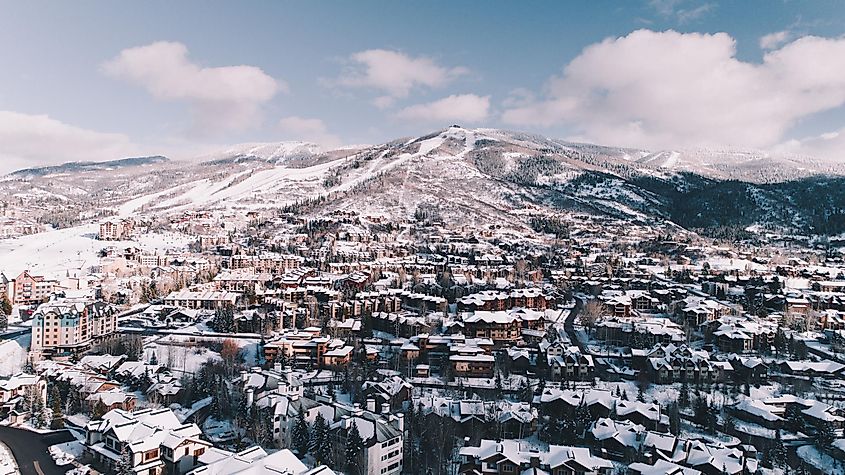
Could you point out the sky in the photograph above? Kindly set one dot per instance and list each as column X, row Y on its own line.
column 99, row 80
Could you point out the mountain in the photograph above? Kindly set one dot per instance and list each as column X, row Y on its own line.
column 276, row 153
column 75, row 167
column 470, row 177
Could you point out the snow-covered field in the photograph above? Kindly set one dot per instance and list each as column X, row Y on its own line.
column 72, row 251
column 8, row 466
column 13, row 354
column 66, row 453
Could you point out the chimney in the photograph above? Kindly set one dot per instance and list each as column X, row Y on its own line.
column 400, row 422
column 289, row 374
column 371, row 404
column 385, row 408
column 250, row 397
column 277, row 367
column 244, row 376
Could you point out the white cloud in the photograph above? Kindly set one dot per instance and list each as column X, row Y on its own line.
column 775, row 40
column 221, row 98
column 829, row 146
column 36, row 140
column 674, row 9
column 395, row 74
column 455, row 108
column 309, row 130
column 692, row 14
column 669, row 89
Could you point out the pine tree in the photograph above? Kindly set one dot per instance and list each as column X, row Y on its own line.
column 624, row 394
column 321, row 448
column 640, row 394
column 57, row 421
column 5, row 305
column 683, row 395
column 824, row 435
column 99, row 411
column 123, row 465
column 300, row 438
column 777, row 453
column 674, row 418
column 354, row 447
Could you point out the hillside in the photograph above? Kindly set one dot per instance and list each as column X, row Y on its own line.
column 461, row 176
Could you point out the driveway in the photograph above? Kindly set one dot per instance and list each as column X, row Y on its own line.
column 30, row 449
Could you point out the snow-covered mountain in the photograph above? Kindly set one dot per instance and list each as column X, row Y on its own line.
column 465, row 176
column 274, row 152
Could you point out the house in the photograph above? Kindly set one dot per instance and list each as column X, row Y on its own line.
column 383, row 439
column 512, row 456
column 14, row 389
column 153, row 441
column 254, row 461
column 572, row 365
column 393, row 391
column 111, row 399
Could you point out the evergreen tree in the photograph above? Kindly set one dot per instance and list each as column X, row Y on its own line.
column 624, row 394
column 39, row 419
column 321, row 447
column 5, row 305
column 354, row 447
column 777, row 453
column 300, row 437
column 674, row 418
column 824, row 435
column 683, row 395
column 583, row 419
column 99, row 411
column 640, row 394
column 123, row 465
column 57, row 421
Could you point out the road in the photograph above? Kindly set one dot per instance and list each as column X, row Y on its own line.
column 569, row 326
column 30, row 450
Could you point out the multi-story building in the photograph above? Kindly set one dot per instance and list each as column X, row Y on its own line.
column 115, row 229
column 276, row 264
column 68, row 326
column 202, row 300
column 28, row 289
column 153, row 441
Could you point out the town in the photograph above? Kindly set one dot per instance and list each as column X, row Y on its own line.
column 269, row 342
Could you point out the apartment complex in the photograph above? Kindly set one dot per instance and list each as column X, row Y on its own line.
column 69, row 326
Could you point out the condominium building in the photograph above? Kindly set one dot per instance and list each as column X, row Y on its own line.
column 70, row 326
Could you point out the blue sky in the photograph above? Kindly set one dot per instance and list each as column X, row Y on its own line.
column 92, row 79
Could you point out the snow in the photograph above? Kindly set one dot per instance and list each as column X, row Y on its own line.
column 13, row 355
column 8, row 466
column 74, row 250
column 66, row 453
column 821, row 461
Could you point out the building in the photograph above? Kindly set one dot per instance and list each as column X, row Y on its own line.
column 254, row 461
column 154, row 441
column 512, row 456
column 202, row 300
column 115, row 229
column 14, row 388
column 66, row 326
column 28, row 289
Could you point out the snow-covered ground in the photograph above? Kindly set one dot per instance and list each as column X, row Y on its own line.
column 8, row 466
column 13, row 354
column 72, row 251
column 66, row 453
